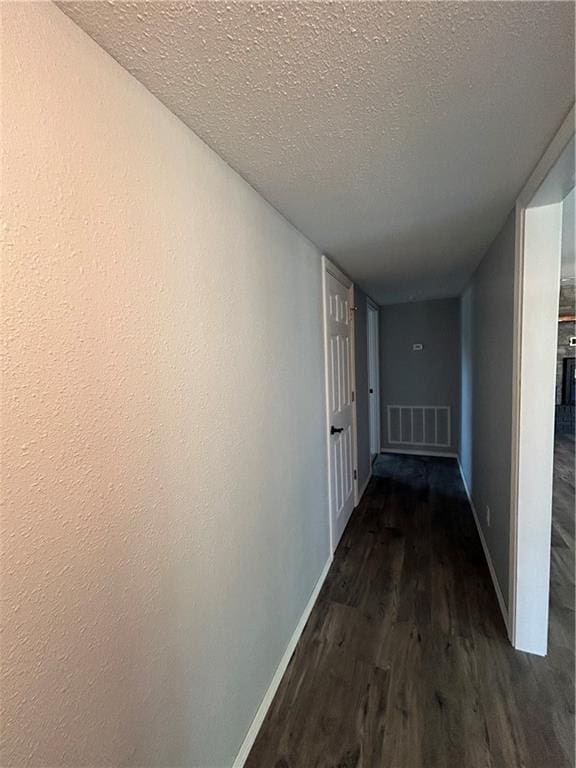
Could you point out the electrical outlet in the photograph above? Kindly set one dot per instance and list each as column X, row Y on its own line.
column 487, row 515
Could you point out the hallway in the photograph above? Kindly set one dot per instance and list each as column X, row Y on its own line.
column 405, row 660
column 270, row 267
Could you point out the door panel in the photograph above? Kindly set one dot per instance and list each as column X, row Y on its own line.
column 339, row 329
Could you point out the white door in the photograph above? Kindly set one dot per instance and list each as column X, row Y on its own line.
column 339, row 381
column 373, row 379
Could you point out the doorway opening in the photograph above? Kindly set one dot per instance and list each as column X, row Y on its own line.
column 372, row 318
column 539, row 224
column 562, row 553
column 339, row 356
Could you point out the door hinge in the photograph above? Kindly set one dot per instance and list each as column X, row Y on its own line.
column 353, row 396
column 355, row 475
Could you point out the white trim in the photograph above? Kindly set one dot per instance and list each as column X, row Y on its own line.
column 499, row 595
column 526, row 196
column 354, row 389
column 342, row 277
column 413, row 452
column 330, row 268
column 548, row 160
column 515, row 434
column 325, row 264
column 256, row 724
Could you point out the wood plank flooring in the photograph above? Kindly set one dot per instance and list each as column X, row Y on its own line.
column 404, row 662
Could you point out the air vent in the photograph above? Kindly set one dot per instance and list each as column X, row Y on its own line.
column 419, row 425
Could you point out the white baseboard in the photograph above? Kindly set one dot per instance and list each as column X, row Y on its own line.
column 499, row 595
column 363, row 489
column 413, row 452
column 250, row 737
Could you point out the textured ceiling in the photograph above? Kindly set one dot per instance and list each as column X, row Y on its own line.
column 395, row 135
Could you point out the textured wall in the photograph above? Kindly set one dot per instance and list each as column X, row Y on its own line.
column 362, row 407
column 487, row 343
column 164, row 480
column 429, row 377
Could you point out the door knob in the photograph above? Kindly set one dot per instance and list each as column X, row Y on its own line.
column 333, row 430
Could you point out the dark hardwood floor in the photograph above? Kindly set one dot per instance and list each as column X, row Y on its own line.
column 404, row 662
column 562, row 589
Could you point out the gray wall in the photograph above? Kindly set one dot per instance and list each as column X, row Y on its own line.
column 487, row 344
column 362, row 411
column 429, row 377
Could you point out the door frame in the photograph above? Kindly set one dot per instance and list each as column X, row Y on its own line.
column 329, row 268
column 373, row 309
column 532, row 415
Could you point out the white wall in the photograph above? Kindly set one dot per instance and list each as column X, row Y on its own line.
column 487, row 310
column 568, row 259
column 163, row 420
